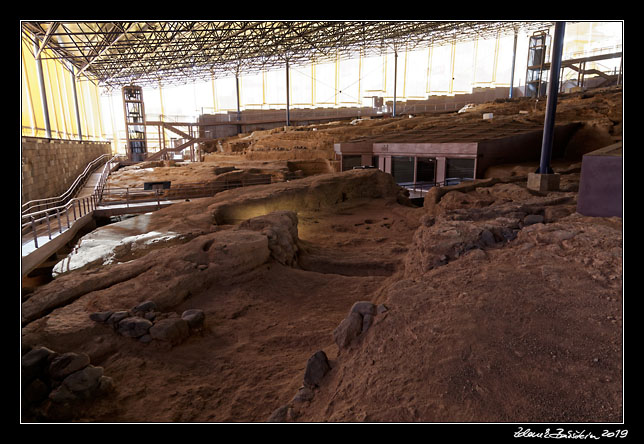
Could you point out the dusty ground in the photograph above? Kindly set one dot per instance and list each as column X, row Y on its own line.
column 522, row 326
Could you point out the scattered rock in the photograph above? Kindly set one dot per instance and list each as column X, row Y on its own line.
column 304, row 394
column 316, row 367
column 477, row 254
column 66, row 364
column 367, row 320
column 145, row 338
column 62, row 394
column 35, row 392
column 363, row 308
column 101, row 316
column 173, row 330
column 348, row 330
column 134, row 326
column 105, row 385
column 62, row 379
column 381, row 309
column 145, row 307
column 194, row 317
column 117, row 317
column 35, row 362
column 531, row 219
column 487, row 238
column 83, row 382
column 279, row 415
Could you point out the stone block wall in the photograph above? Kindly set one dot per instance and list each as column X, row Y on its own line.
column 50, row 166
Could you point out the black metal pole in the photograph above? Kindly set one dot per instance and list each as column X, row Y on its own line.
column 551, row 104
column 288, row 111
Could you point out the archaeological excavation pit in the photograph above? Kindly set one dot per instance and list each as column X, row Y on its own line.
column 323, row 222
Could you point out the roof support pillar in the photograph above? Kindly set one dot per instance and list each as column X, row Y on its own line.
column 551, row 104
column 393, row 114
column 514, row 57
column 288, row 111
column 78, row 120
column 238, row 104
column 43, row 93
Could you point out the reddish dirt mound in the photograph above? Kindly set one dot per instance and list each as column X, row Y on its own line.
column 521, row 330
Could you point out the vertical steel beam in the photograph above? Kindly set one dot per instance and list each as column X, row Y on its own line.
column 393, row 114
column 78, row 120
column 43, row 93
column 288, row 111
column 238, row 104
column 551, row 104
column 514, row 57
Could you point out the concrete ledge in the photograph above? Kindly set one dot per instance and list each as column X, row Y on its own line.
column 543, row 182
column 31, row 261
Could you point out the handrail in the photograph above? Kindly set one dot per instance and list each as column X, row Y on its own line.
column 425, row 186
column 66, row 214
column 47, row 202
column 131, row 195
column 71, row 210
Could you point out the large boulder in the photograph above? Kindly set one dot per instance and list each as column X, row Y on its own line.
column 280, row 228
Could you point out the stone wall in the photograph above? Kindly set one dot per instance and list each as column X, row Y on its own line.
column 50, row 166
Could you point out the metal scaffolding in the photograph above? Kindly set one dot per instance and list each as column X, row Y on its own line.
column 147, row 53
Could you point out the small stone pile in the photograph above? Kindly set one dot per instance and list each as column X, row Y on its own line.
column 360, row 318
column 52, row 383
column 145, row 323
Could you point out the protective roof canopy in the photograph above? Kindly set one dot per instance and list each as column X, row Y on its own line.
column 146, row 53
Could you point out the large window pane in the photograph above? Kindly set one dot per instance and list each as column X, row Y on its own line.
column 459, row 168
column 402, row 168
column 348, row 162
column 425, row 169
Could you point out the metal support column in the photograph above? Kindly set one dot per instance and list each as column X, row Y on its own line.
column 78, row 120
column 43, row 93
column 551, row 104
column 238, row 104
column 514, row 56
column 288, row 111
column 393, row 114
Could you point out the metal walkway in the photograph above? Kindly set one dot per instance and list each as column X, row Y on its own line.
column 48, row 224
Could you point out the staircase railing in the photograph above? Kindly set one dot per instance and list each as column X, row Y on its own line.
column 51, row 202
column 62, row 211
